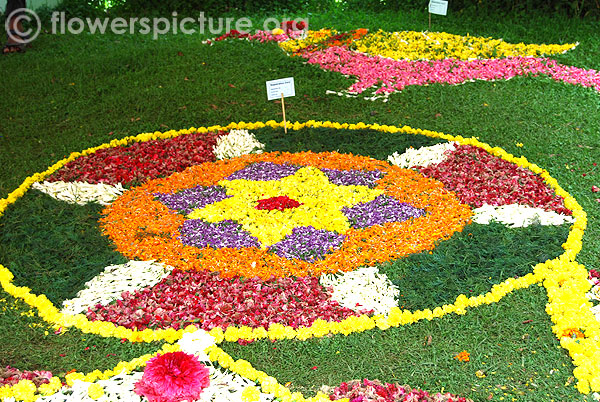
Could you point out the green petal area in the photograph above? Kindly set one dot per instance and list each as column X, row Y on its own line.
column 28, row 343
column 358, row 142
column 510, row 342
column 53, row 247
column 472, row 261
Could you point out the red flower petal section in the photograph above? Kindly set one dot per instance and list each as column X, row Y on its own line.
column 208, row 300
column 481, row 178
column 141, row 161
column 279, row 203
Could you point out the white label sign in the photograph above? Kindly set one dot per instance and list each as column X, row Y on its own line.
column 439, row 7
column 283, row 86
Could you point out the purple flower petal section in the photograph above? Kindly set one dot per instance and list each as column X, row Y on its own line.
column 379, row 211
column 192, row 198
column 264, row 171
column 199, row 233
column 308, row 244
column 353, row 177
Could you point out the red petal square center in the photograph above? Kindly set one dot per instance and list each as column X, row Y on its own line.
column 279, row 203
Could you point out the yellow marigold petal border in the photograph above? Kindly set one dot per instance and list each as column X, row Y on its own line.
column 563, row 277
column 416, row 45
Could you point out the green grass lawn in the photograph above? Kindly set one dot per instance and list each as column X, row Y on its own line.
column 73, row 92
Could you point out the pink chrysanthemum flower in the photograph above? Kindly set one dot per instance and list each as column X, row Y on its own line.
column 173, row 377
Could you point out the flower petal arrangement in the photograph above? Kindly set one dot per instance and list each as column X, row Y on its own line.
column 360, row 202
column 113, row 282
column 375, row 391
column 225, row 236
column 204, row 299
column 387, row 62
column 140, row 161
column 346, row 223
column 412, row 45
column 237, row 143
column 364, row 288
column 81, row 192
column 216, row 230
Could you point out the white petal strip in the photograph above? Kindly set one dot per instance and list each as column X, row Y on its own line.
column 80, row 192
column 228, row 387
column 224, row 387
column 116, row 279
column 516, row 216
column 362, row 289
column 117, row 388
column 237, row 143
column 385, row 96
column 594, row 296
column 196, row 343
column 423, row 156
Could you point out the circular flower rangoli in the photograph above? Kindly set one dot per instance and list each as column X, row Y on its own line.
column 284, row 215
column 241, row 242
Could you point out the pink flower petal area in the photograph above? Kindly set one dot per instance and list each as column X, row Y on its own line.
column 376, row 391
column 11, row 376
column 173, row 377
column 388, row 75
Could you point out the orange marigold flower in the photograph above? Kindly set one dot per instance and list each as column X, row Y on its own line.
column 359, row 33
column 463, row 356
column 572, row 333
